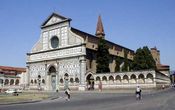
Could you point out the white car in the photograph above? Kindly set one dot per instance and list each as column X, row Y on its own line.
column 19, row 90
column 10, row 91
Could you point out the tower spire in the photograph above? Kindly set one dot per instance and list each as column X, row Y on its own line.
column 99, row 30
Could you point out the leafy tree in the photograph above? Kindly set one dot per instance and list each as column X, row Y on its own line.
column 143, row 59
column 102, row 57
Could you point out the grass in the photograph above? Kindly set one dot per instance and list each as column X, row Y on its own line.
column 9, row 98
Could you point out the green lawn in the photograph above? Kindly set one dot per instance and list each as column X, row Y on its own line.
column 9, row 98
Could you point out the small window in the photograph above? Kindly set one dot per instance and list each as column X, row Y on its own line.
column 31, row 81
column 43, row 81
column 76, row 80
column 61, row 80
column 35, row 81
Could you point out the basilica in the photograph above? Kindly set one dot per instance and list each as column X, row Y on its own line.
column 66, row 57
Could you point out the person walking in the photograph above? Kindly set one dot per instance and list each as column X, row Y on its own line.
column 138, row 93
column 100, row 86
column 67, row 92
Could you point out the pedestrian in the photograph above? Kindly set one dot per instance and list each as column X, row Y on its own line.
column 138, row 93
column 100, row 86
column 67, row 92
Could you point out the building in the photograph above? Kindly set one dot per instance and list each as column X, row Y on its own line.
column 12, row 77
column 165, row 69
column 172, row 77
column 65, row 56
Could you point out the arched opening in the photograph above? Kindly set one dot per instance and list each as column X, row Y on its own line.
column 98, row 79
column 35, row 81
column 118, row 79
column 141, row 78
column 125, row 79
column 149, row 78
column 31, row 81
column 52, row 73
column 77, row 80
column 52, row 69
column 61, row 81
column 104, row 79
column 90, row 82
column 71, row 80
column 6, row 82
column 133, row 78
column 43, row 81
column 17, row 82
column 111, row 79
column 12, row 82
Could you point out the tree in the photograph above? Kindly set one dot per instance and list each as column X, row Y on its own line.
column 102, row 57
column 150, row 62
column 143, row 59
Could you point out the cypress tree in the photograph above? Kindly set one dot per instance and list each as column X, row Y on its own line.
column 149, row 60
column 102, row 57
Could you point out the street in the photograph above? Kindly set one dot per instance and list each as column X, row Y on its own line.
column 161, row 100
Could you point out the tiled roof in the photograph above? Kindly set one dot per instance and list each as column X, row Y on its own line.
column 92, row 37
column 8, row 68
column 163, row 67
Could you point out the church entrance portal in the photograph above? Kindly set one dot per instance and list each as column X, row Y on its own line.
column 90, row 82
column 52, row 73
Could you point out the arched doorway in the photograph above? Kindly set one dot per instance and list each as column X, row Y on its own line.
column 90, row 82
column 52, row 73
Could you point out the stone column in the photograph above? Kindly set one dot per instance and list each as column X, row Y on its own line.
column 46, row 86
column 57, row 76
column 28, row 76
column 48, row 82
column 82, row 74
column 154, row 79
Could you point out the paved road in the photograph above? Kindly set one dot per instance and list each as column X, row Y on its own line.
column 163, row 100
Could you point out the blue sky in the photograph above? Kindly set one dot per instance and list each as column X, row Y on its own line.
column 130, row 23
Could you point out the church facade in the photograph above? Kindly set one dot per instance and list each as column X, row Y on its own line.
column 66, row 57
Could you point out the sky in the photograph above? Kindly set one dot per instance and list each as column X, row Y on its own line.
column 129, row 23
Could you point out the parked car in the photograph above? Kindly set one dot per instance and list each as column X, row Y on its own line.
column 19, row 90
column 10, row 91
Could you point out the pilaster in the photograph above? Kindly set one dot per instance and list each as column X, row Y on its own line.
column 82, row 74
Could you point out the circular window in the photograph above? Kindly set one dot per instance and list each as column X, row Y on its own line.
column 54, row 42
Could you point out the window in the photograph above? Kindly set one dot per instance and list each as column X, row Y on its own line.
column 54, row 42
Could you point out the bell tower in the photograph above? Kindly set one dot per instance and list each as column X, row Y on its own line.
column 99, row 30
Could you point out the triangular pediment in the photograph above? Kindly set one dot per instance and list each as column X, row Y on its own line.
column 54, row 18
